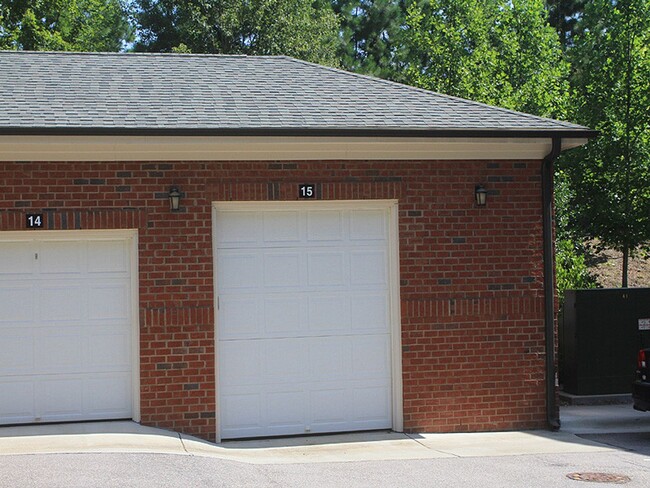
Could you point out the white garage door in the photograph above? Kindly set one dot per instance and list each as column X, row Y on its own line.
column 304, row 336
column 65, row 328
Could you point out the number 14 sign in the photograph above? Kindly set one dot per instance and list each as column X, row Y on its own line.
column 34, row 221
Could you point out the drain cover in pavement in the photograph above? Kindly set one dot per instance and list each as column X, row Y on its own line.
column 600, row 477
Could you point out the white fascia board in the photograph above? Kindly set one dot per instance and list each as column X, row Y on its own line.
column 259, row 148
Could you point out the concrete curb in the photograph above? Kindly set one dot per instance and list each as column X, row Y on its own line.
column 129, row 437
column 616, row 399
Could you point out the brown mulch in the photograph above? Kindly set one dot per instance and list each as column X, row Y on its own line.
column 608, row 270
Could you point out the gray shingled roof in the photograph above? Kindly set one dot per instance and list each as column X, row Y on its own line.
column 220, row 93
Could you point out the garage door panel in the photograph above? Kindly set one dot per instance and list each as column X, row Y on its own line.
column 329, row 313
column 263, row 413
column 327, row 269
column 16, row 400
column 108, row 349
column 353, row 408
column 108, row 301
column 17, row 259
column 283, row 315
column 324, row 226
column 281, row 269
column 237, row 229
column 59, row 399
column 241, row 412
column 285, row 409
column 241, row 363
column 110, row 397
column 65, row 329
column 323, row 290
column 17, row 351
column 284, row 361
column 368, row 267
column 329, row 406
column 16, row 303
column 59, row 351
column 330, row 358
column 370, row 407
column 240, row 316
column 281, row 227
column 238, row 270
column 108, row 257
column 61, row 302
column 368, row 225
column 371, row 403
column 61, row 257
column 371, row 355
column 369, row 312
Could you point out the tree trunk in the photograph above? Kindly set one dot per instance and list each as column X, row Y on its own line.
column 626, row 258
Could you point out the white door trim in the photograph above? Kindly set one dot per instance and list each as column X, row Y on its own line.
column 131, row 237
column 391, row 206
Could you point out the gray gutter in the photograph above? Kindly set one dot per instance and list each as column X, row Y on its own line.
column 299, row 131
column 552, row 413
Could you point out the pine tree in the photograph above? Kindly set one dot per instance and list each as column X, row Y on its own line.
column 370, row 36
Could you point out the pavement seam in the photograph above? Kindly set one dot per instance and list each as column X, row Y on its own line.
column 431, row 449
column 180, row 438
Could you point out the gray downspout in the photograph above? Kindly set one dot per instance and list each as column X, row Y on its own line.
column 552, row 416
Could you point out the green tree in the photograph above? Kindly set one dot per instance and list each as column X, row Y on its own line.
column 370, row 40
column 610, row 177
column 498, row 52
column 301, row 28
column 64, row 25
column 572, row 271
column 563, row 16
column 571, row 256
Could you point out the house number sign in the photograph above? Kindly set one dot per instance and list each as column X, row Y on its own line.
column 644, row 324
column 34, row 221
column 307, row 191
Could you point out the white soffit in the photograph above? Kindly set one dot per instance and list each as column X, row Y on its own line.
column 259, row 148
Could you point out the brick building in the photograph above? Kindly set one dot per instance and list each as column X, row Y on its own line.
column 327, row 269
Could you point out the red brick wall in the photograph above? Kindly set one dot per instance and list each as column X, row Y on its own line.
column 471, row 278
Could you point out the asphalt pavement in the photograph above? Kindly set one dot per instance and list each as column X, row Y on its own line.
column 610, row 440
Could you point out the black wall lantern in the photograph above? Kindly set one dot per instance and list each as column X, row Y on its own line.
column 174, row 199
column 480, row 194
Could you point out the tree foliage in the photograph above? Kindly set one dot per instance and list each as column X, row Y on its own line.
column 610, row 177
column 564, row 16
column 572, row 271
column 299, row 28
column 370, row 35
column 498, row 52
column 64, row 25
column 571, row 255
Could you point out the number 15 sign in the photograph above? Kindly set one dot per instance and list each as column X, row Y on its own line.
column 307, row 191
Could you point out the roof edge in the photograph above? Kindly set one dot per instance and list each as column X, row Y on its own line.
column 301, row 131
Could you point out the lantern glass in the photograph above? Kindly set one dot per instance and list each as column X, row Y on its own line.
column 481, row 196
column 174, row 199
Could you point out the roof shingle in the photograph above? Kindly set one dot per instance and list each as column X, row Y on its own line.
column 117, row 91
